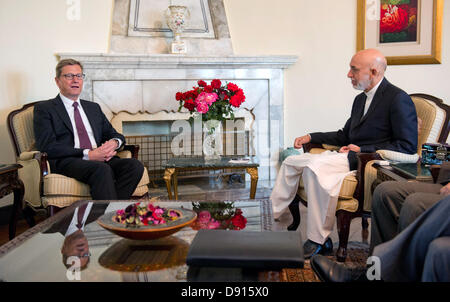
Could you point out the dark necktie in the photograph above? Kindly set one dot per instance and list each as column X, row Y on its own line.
column 85, row 143
column 81, row 211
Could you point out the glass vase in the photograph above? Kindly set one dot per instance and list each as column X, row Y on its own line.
column 213, row 140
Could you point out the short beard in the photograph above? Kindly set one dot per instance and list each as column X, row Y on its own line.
column 362, row 84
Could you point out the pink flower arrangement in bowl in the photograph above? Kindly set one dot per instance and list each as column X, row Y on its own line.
column 143, row 214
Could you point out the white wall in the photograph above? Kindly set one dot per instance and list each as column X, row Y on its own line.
column 31, row 33
column 322, row 33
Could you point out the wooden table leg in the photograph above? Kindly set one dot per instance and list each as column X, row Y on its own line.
column 168, row 179
column 18, row 190
column 175, row 185
column 254, row 181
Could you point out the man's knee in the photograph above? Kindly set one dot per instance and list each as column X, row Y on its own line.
column 415, row 204
column 103, row 170
column 436, row 267
column 382, row 193
column 136, row 166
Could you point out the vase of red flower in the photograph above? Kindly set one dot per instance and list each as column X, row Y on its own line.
column 218, row 215
column 215, row 103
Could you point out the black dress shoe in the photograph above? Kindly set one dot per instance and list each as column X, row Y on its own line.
column 295, row 212
column 310, row 248
column 330, row 271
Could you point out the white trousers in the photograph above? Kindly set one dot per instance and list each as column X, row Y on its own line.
column 323, row 175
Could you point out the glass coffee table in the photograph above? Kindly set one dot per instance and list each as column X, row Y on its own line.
column 37, row 254
column 176, row 164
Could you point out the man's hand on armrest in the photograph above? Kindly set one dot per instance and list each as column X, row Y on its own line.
column 299, row 141
column 351, row 147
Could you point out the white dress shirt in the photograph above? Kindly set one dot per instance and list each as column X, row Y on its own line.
column 370, row 94
column 72, row 228
column 68, row 104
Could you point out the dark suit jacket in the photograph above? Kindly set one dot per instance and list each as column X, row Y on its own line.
column 444, row 174
column 54, row 133
column 62, row 225
column 389, row 124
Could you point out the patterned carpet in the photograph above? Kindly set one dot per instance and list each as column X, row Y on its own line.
column 357, row 254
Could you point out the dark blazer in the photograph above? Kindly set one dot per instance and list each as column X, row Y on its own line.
column 54, row 133
column 444, row 174
column 389, row 124
column 61, row 226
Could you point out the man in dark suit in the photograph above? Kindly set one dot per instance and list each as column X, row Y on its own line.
column 420, row 252
column 382, row 117
column 80, row 141
column 395, row 205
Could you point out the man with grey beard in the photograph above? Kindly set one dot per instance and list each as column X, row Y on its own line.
column 383, row 117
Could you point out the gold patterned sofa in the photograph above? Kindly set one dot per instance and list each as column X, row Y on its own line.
column 355, row 196
column 44, row 189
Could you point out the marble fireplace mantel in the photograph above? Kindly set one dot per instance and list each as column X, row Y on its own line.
column 147, row 84
column 152, row 61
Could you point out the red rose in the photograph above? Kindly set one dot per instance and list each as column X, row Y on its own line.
column 232, row 87
column 208, row 89
column 393, row 19
column 179, row 96
column 216, row 84
column 201, row 83
column 239, row 222
column 189, row 105
column 237, row 99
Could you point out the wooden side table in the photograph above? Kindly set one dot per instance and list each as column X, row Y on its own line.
column 10, row 183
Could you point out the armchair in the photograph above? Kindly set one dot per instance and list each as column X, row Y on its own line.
column 355, row 195
column 44, row 189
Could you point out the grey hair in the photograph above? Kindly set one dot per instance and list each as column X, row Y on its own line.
column 66, row 62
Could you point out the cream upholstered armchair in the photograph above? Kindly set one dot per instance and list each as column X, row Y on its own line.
column 44, row 189
column 355, row 196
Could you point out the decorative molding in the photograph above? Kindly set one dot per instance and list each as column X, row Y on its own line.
column 156, row 39
column 155, row 61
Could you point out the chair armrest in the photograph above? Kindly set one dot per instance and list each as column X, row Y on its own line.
column 134, row 149
column 35, row 168
column 41, row 157
column 363, row 159
column 308, row 146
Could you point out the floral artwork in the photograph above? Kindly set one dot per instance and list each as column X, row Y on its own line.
column 214, row 101
column 222, row 215
column 398, row 21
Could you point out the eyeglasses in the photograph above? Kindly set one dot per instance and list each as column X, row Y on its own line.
column 70, row 76
column 87, row 255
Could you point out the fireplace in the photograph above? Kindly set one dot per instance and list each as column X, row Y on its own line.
column 137, row 80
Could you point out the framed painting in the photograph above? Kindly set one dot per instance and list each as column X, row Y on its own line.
column 405, row 31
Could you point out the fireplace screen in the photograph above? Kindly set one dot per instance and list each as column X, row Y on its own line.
column 155, row 150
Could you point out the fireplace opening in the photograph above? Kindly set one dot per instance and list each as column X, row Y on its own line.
column 156, row 148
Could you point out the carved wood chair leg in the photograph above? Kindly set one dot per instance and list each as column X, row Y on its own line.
column 365, row 228
column 365, row 221
column 53, row 210
column 343, row 222
column 295, row 212
column 28, row 214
